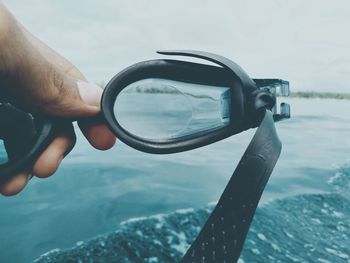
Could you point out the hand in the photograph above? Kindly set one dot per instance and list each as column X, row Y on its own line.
column 39, row 79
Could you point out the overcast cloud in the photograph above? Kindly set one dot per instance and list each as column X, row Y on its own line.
column 306, row 42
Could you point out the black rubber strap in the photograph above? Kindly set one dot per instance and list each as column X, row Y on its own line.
column 246, row 81
column 223, row 235
column 24, row 138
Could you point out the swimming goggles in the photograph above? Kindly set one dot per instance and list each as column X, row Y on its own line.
column 166, row 106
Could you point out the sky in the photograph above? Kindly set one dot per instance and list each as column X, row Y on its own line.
column 304, row 41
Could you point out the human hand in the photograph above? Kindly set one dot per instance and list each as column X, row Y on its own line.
column 39, row 79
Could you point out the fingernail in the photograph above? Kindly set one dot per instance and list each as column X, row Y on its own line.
column 90, row 93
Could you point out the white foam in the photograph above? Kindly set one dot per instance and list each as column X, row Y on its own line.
column 275, row 247
column 152, row 260
column 55, row 250
column 338, row 214
column 184, row 211
column 183, row 245
column 262, row 237
column 337, row 253
column 79, row 243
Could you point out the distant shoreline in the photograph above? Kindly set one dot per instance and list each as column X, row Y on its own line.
column 293, row 94
column 319, row 95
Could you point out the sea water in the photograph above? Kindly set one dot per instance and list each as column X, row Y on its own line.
column 126, row 206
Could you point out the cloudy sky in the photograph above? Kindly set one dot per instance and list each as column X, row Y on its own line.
column 306, row 42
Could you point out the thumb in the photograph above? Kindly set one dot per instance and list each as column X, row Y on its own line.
column 39, row 80
column 70, row 97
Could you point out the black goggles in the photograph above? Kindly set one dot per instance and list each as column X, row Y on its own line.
column 166, row 106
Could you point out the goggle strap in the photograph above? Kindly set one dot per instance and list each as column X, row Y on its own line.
column 223, row 235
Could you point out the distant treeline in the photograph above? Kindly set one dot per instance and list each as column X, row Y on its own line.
column 320, row 95
column 293, row 94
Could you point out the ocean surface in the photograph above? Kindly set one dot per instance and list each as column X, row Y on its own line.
column 126, row 206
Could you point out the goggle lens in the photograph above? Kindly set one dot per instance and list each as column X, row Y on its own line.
column 161, row 109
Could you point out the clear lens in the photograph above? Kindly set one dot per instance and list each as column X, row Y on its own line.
column 277, row 87
column 160, row 109
column 285, row 110
column 284, row 88
column 3, row 154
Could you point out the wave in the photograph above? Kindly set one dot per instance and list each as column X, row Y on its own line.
column 304, row 228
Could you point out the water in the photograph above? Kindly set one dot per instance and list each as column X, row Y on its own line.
column 303, row 217
column 3, row 154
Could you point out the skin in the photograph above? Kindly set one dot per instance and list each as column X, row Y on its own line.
column 40, row 80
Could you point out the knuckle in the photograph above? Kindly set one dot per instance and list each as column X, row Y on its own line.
column 55, row 93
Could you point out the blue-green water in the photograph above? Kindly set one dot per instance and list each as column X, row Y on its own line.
column 303, row 217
